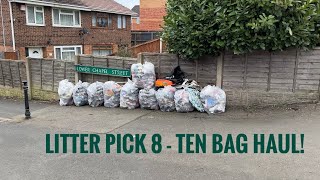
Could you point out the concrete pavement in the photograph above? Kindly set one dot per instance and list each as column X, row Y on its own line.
column 22, row 144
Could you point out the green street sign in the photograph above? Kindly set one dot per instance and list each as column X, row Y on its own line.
column 103, row 71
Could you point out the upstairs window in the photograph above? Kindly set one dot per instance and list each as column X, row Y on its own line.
column 102, row 20
column 122, row 22
column 66, row 18
column 35, row 15
column 135, row 20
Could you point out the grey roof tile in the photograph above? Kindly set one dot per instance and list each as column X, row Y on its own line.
column 94, row 5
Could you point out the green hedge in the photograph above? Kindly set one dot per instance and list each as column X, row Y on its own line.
column 198, row 27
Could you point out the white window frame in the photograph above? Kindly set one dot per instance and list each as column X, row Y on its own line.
column 35, row 15
column 108, row 17
column 135, row 18
column 123, row 19
column 124, row 22
column 73, row 14
column 61, row 50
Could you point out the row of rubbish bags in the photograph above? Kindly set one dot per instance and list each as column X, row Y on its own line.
column 141, row 92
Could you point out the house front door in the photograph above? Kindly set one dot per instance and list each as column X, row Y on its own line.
column 35, row 52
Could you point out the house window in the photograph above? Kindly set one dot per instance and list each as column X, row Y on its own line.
column 101, row 50
column 122, row 22
column 67, row 53
column 135, row 20
column 66, row 18
column 102, row 20
column 35, row 16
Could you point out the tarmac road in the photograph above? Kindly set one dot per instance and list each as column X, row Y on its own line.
column 22, row 144
column 13, row 107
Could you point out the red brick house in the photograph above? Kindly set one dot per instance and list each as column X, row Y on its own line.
column 151, row 15
column 149, row 23
column 63, row 28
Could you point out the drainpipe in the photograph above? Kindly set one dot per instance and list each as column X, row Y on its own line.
column 2, row 25
column 12, row 28
column 161, row 45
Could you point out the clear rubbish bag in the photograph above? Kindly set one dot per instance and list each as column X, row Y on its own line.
column 129, row 96
column 143, row 75
column 95, row 94
column 65, row 91
column 148, row 100
column 80, row 95
column 213, row 99
column 194, row 98
column 165, row 98
column 111, row 91
column 181, row 99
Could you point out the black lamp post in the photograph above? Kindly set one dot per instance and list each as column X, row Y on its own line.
column 26, row 100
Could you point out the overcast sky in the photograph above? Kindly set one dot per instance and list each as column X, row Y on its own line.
column 128, row 3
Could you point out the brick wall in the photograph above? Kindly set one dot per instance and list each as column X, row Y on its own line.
column 151, row 15
column 7, row 28
column 28, row 36
column 134, row 25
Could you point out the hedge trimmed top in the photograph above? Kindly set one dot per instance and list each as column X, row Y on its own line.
column 194, row 28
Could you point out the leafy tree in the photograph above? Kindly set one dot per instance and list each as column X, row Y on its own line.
column 194, row 28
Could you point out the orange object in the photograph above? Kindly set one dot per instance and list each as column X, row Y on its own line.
column 163, row 82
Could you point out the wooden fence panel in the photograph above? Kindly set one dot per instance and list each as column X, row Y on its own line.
column 203, row 70
column 283, row 70
column 7, row 74
column 234, row 72
column 287, row 71
column 35, row 72
column 12, row 73
column 258, row 70
column 164, row 63
column 105, row 61
column 58, row 75
column 206, row 70
column 308, row 74
column 150, row 46
column 47, row 73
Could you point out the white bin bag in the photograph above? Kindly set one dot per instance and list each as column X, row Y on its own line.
column 143, row 75
column 213, row 99
column 65, row 91
column 165, row 98
column 129, row 96
column 80, row 95
column 148, row 100
column 181, row 99
column 95, row 94
column 111, row 91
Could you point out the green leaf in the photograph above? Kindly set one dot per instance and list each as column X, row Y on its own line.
column 196, row 27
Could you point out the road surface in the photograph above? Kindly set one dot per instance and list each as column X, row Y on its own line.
column 13, row 107
column 23, row 155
